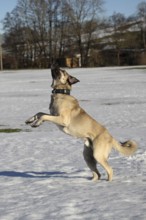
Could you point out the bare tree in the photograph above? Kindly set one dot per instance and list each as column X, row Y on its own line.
column 141, row 9
column 39, row 30
column 34, row 20
column 117, row 22
column 83, row 17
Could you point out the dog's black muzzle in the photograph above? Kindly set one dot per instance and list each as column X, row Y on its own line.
column 55, row 71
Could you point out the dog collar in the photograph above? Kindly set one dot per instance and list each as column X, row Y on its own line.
column 61, row 91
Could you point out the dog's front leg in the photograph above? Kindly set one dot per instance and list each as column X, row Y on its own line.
column 40, row 117
column 46, row 117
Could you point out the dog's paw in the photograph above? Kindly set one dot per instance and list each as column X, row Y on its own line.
column 36, row 123
column 30, row 120
column 95, row 177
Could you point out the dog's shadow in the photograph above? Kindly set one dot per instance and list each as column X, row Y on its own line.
column 33, row 174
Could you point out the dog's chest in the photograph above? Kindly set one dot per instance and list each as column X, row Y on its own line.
column 53, row 107
column 58, row 104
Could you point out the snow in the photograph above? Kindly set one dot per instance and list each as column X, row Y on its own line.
column 42, row 171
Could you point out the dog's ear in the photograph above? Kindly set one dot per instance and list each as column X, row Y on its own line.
column 72, row 80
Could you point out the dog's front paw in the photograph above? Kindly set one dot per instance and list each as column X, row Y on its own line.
column 31, row 120
column 35, row 120
column 36, row 123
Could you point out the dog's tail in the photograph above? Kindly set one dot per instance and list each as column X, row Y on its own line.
column 126, row 148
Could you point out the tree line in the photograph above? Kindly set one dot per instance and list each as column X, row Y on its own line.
column 39, row 31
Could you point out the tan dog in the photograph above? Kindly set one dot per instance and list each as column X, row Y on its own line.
column 73, row 120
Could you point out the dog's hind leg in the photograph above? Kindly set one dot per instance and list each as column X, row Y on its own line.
column 102, row 146
column 90, row 161
column 102, row 160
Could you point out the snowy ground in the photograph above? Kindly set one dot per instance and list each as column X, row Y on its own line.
column 42, row 172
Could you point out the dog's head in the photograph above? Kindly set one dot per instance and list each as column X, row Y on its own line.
column 61, row 79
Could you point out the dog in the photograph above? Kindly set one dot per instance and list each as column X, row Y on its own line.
column 67, row 114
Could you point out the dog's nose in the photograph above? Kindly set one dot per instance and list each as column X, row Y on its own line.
column 54, row 66
column 55, row 70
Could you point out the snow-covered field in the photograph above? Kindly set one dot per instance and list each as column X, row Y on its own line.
column 43, row 175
